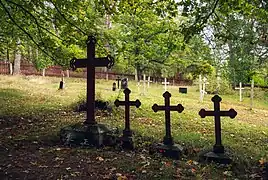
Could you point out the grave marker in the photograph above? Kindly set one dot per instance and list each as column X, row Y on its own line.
column 240, row 91
column 202, row 87
column 114, row 86
column 61, row 82
column 91, row 132
column 118, row 79
column 149, row 81
column 124, row 83
column 144, row 84
column 218, row 154
column 127, row 142
column 168, row 148
column 165, row 83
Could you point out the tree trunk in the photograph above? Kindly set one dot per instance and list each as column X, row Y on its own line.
column 17, row 61
column 43, row 72
column 67, row 73
column 10, row 68
column 136, row 75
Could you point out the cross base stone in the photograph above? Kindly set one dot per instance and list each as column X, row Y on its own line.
column 97, row 135
column 174, row 151
column 127, row 142
column 221, row 158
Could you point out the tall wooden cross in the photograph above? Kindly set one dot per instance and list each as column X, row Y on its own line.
column 168, row 140
column 127, row 133
column 90, row 63
column 165, row 83
column 217, row 113
column 240, row 91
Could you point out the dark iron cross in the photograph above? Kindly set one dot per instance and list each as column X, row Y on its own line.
column 168, row 140
column 90, row 63
column 118, row 80
column 217, row 113
column 127, row 103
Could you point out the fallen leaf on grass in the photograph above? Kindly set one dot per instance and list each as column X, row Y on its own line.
column 122, row 178
column 99, row 158
column 262, row 161
column 227, row 173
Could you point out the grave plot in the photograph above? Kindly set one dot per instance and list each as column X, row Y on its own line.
column 127, row 142
column 168, row 148
column 218, row 154
column 90, row 132
column 29, row 133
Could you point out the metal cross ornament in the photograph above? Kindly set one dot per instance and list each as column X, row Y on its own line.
column 127, row 133
column 168, row 140
column 217, row 113
column 90, row 63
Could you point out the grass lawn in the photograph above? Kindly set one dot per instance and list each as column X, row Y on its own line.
column 32, row 112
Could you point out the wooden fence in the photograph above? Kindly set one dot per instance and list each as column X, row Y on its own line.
column 29, row 69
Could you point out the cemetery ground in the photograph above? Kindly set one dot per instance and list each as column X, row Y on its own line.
column 32, row 112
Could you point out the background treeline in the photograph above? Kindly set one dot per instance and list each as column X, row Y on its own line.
column 220, row 38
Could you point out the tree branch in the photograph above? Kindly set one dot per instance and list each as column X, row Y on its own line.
column 59, row 11
column 25, row 32
column 36, row 22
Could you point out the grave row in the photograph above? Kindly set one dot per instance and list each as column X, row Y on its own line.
column 97, row 134
column 168, row 148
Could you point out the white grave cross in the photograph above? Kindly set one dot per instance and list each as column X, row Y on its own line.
column 202, row 87
column 144, row 83
column 240, row 91
column 149, row 81
column 165, row 83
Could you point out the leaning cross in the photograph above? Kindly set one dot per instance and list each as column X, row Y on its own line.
column 165, row 83
column 127, row 134
column 240, row 91
column 90, row 63
column 168, row 140
column 217, row 113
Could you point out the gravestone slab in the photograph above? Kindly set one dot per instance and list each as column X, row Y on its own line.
column 96, row 135
column 183, row 90
column 124, row 83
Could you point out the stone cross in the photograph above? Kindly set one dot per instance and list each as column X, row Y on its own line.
column 217, row 113
column 149, row 81
column 127, row 133
column 90, row 63
column 168, row 140
column 240, row 91
column 118, row 79
column 165, row 83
